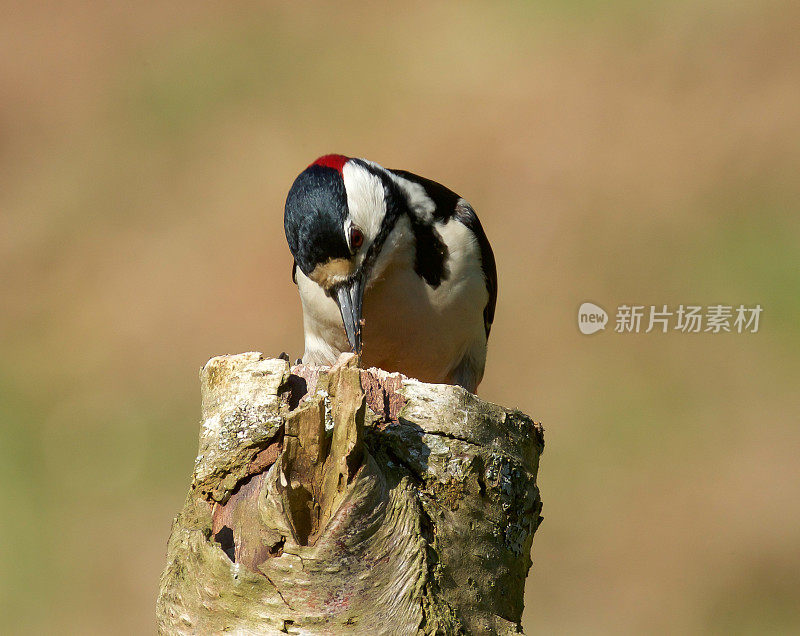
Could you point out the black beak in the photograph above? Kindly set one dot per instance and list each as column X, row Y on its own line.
column 349, row 297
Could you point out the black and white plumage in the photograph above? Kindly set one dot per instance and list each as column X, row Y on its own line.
column 404, row 253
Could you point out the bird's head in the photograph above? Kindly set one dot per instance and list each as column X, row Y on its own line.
column 336, row 222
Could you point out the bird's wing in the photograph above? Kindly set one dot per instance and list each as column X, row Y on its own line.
column 450, row 205
column 466, row 215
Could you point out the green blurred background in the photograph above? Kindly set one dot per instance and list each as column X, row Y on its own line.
column 634, row 153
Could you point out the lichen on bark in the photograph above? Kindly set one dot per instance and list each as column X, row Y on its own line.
column 348, row 501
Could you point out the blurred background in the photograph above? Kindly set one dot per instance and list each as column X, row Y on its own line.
column 635, row 153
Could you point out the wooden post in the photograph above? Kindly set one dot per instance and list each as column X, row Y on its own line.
column 348, row 501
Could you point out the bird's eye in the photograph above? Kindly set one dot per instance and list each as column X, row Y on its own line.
column 356, row 238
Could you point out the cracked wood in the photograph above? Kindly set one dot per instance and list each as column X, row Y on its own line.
column 351, row 501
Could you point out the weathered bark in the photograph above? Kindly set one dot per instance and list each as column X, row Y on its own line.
column 348, row 501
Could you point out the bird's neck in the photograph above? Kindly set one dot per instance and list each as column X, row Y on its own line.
column 397, row 251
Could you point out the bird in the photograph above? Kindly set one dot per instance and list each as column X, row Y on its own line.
column 392, row 266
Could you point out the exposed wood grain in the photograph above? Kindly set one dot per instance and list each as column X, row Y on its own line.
column 348, row 501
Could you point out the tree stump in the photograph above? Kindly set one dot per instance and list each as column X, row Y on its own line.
column 347, row 501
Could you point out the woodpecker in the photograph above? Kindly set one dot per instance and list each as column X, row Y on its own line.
column 393, row 261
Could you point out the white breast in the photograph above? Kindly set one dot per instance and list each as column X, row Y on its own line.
column 409, row 326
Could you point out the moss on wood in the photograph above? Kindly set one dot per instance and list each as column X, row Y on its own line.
column 348, row 501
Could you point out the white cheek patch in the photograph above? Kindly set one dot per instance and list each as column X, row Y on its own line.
column 365, row 199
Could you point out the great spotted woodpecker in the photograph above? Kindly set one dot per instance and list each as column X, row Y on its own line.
column 394, row 261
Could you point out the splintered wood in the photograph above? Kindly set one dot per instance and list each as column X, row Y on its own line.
column 347, row 501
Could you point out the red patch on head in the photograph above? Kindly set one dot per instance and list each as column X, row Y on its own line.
column 332, row 161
